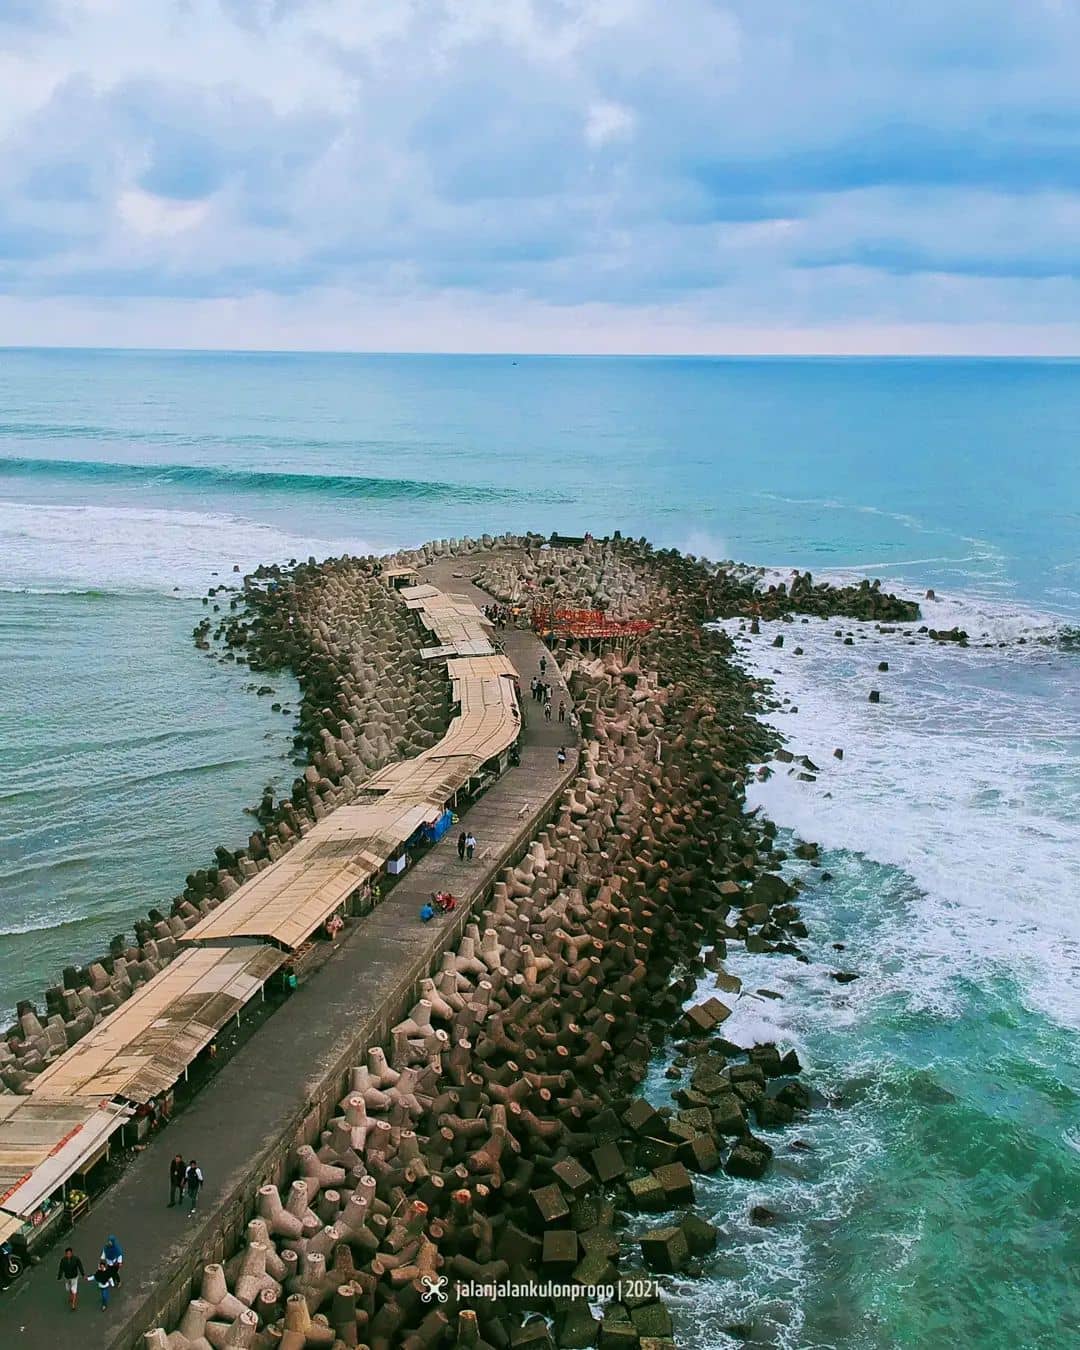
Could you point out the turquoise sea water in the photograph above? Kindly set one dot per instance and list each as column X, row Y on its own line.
column 940, row 1203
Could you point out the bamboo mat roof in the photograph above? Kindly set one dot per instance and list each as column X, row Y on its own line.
column 459, row 627
column 143, row 1047
column 288, row 901
column 44, row 1142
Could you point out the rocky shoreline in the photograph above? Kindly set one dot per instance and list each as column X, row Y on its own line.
column 499, row 1137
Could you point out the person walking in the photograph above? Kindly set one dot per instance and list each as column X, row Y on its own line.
column 470, row 845
column 461, row 842
column 543, row 664
column 193, row 1180
column 562, row 710
column 547, row 711
column 102, row 1277
column 113, row 1256
column 561, row 756
column 70, row 1270
column 177, row 1168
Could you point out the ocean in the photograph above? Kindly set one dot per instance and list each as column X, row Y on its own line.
column 938, row 1202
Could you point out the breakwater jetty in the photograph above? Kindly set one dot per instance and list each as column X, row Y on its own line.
column 481, row 1125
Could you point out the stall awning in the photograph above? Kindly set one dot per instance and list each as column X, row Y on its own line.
column 143, row 1047
column 44, row 1143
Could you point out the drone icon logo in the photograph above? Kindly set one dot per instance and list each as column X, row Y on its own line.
column 434, row 1288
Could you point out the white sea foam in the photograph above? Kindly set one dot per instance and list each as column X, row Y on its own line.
column 965, row 775
column 112, row 548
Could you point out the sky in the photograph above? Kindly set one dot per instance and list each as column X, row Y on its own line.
column 866, row 176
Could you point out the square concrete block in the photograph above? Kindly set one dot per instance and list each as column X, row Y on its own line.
column 664, row 1249
column 572, row 1175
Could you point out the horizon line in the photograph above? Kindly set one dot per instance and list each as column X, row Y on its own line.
column 104, row 349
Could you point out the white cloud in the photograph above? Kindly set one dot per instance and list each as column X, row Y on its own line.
column 715, row 170
column 148, row 214
column 606, row 122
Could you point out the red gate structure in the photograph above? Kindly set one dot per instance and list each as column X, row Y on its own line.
column 550, row 621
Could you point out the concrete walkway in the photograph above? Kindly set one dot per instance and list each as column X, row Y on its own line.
column 240, row 1125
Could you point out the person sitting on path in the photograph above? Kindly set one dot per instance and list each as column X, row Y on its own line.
column 113, row 1256
column 70, row 1270
column 193, row 1180
column 427, row 911
column 177, row 1168
column 103, row 1278
column 445, row 901
column 470, row 845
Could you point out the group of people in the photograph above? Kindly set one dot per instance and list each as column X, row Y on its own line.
column 466, row 845
column 106, row 1277
column 442, row 901
column 185, row 1179
column 542, row 693
column 498, row 615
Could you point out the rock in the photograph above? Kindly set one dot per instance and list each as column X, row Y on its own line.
column 572, row 1175
column 749, row 1159
column 767, row 1059
column 550, row 1203
column 843, row 976
column 728, row 1115
column 657, row 1152
column 772, row 1112
column 560, row 1249
column 534, row 1335
column 646, row 1193
column 700, row 1153
column 575, row 1326
column 618, row 1334
column 675, row 1179
column 770, row 889
column 700, row 1235
column 875, row 696
column 608, row 1163
column 641, row 1117
column 665, row 1249
column 794, row 1095
column 883, row 665
column 651, row 1319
